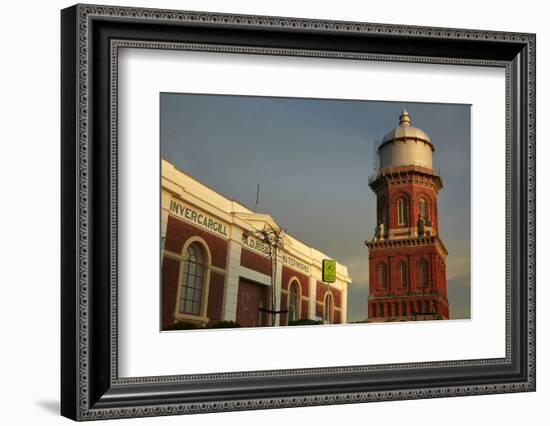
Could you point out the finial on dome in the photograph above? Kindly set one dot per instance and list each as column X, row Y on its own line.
column 404, row 118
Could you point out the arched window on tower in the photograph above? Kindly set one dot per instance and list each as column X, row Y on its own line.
column 192, row 283
column 402, row 217
column 423, row 273
column 423, row 208
column 293, row 301
column 402, row 274
column 382, row 275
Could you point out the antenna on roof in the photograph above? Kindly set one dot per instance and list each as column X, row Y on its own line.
column 257, row 198
column 375, row 144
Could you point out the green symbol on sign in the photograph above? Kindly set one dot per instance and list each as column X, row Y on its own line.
column 329, row 270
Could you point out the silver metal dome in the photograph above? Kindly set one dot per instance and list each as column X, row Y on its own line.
column 406, row 131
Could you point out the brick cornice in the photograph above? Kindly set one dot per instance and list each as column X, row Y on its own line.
column 408, row 242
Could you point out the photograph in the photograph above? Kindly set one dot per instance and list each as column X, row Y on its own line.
column 264, row 209
column 280, row 211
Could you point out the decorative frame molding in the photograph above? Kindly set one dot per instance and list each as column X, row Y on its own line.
column 91, row 37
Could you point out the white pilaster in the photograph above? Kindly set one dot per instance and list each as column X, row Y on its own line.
column 163, row 225
column 344, row 307
column 312, row 296
column 231, row 288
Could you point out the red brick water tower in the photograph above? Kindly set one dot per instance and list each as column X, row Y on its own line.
column 407, row 278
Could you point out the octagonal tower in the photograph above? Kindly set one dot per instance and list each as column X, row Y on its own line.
column 407, row 277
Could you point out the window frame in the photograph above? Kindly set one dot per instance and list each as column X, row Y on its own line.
column 402, row 272
column 202, row 316
column 402, row 213
column 294, row 282
column 423, row 208
column 197, row 278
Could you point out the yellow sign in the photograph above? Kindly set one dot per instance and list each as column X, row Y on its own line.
column 329, row 270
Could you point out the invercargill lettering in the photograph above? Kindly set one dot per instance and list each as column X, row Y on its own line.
column 193, row 216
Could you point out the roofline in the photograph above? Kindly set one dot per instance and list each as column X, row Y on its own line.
column 250, row 212
column 205, row 185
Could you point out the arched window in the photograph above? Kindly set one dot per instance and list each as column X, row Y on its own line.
column 381, row 310
column 402, row 274
column 329, row 305
column 423, row 208
column 403, row 309
column 423, row 273
column 192, row 283
column 382, row 275
column 293, row 301
column 427, row 307
column 402, row 218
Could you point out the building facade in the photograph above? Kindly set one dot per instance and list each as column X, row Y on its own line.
column 407, row 276
column 216, row 268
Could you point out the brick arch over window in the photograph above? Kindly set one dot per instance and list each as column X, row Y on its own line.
column 423, row 207
column 427, row 200
column 400, row 194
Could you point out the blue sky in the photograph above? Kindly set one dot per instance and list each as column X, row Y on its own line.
column 312, row 159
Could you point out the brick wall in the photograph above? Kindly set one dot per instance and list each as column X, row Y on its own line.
column 288, row 274
column 255, row 261
column 178, row 232
column 170, row 274
column 336, row 294
column 215, row 297
column 320, row 300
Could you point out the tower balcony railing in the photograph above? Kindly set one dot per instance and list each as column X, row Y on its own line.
column 435, row 171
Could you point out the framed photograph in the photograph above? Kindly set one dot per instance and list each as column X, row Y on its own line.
column 263, row 212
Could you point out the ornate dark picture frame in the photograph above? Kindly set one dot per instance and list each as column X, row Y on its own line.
column 91, row 37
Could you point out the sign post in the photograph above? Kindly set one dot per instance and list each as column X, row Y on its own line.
column 329, row 276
